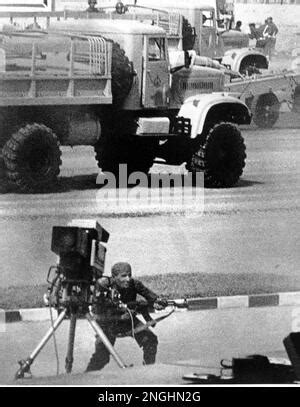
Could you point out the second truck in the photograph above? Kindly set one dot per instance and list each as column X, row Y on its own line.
column 114, row 86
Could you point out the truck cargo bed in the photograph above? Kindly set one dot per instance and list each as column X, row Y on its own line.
column 56, row 68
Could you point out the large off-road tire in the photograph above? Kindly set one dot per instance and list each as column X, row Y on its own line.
column 2, row 167
column 32, row 158
column 265, row 110
column 119, row 145
column 188, row 35
column 122, row 74
column 296, row 100
column 221, row 157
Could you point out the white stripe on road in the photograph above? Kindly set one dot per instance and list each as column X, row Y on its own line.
column 130, row 208
column 209, row 194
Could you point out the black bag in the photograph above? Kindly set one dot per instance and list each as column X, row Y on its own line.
column 257, row 369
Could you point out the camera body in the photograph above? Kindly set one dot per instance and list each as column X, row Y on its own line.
column 80, row 250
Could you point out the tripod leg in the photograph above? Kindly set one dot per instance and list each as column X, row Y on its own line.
column 104, row 339
column 69, row 357
column 25, row 364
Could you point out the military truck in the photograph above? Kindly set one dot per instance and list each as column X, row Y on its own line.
column 263, row 93
column 198, row 28
column 189, row 25
column 114, row 86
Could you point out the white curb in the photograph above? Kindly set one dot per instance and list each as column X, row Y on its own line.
column 37, row 314
column 238, row 301
column 290, row 298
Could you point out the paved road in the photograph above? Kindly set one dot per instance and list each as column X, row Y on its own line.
column 196, row 341
column 253, row 227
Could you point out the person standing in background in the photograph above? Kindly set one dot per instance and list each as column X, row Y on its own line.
column 238, row 26
column 270, row 32
column 92, row 6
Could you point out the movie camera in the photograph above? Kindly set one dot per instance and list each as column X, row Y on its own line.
column 81, row 251
column 81, row 258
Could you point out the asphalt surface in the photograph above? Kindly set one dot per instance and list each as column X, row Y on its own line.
column 189, row 342
column 253, row 227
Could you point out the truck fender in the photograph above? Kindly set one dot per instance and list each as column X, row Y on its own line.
column 235, row 58
column 219, row 106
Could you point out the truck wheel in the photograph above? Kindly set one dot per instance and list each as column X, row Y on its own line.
column 265, row 109
column 2, row 167
column 121, row 74
column 221, row 157
column 118, row 145
column 32, row 158
column 296, row 100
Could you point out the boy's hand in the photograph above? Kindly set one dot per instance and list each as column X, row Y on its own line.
column 160, row 304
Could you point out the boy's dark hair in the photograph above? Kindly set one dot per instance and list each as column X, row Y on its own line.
column 120, row 267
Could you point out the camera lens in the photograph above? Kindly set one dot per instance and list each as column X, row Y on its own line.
column 67, row 241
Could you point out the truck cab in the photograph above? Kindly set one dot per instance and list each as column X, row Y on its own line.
column 160, row 80
column 207, row 43
column 149, row 66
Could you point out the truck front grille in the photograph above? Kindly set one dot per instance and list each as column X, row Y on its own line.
column 196, row 85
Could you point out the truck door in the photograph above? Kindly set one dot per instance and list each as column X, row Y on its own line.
column 155, row 72
column 208, row 34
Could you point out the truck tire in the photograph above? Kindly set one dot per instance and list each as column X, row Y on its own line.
column 121, row 74
column 221, row 157
column 2, row 167
column 265, row 110
column 296, row 100
column 32, row 158
column 119, row 145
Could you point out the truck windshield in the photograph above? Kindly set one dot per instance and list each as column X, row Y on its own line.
column 156, row 49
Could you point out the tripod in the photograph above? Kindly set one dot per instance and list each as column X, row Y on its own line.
column 72, row 311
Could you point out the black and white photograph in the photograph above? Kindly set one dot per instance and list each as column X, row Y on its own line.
column 150, row 196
